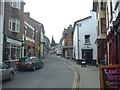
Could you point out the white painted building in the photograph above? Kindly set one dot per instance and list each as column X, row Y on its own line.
column 1, row 28
column 84, row 39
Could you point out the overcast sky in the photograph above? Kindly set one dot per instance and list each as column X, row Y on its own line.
column 56, row 15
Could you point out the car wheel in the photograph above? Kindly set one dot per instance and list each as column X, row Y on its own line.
column 11, row 76
column 34, row 68
column 42, row 65
column 19, row 69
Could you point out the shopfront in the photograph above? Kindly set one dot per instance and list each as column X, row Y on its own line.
column 13, row 49
column 116, row 25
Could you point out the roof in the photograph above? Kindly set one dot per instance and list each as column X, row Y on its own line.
column 83, row 19
column 68, row 30
column 32, row 21
column 80, row 21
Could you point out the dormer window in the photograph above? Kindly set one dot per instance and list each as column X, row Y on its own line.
column 15, row 3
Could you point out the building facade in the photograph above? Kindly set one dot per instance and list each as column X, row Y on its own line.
column 113, row 33
column 101, row 40
column 13, row 31
column 1, row 28
column 47, row 46
column 38, row 35
column 108, row 44
column 84, row 39
column 68, row 42
column 29, row 40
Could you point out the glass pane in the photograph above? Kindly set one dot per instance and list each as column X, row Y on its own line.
column 18, row 53
column 24, row 59
column 7, row 51
column 17, row 28
column 13, row 53
column 13, row 26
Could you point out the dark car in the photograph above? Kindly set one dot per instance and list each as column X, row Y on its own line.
column 30, row 63
column 7, row 72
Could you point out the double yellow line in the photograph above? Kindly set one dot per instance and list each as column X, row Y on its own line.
column 75, row 83
column 76, row 74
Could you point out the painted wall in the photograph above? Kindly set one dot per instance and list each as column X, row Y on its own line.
column 88, row 27
column 1, row 28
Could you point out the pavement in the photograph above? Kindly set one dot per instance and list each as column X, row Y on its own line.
column 89, row 75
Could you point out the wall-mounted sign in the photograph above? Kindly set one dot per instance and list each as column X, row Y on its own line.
column 109, row 76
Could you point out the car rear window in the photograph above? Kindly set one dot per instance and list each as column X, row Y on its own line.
column 24, row 59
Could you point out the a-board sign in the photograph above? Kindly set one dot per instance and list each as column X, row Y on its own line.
column 109, row 76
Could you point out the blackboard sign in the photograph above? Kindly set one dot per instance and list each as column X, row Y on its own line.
column 109, row 76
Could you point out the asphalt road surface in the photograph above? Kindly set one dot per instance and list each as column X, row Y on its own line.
column 54, row 74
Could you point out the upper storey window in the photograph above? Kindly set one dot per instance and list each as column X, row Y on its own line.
column 15, row 3
column 14, row 25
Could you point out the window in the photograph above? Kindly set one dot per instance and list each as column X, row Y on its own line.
column 98, row 30
column 87, row 39
column 12, row 52
column 15, row 4
column 103, row 25
column 14, row 25
column 7, row 51
column 15, row 52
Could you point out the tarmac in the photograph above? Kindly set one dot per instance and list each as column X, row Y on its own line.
column 89, row 75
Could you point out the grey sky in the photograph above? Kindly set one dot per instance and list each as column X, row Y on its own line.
column 56, row 15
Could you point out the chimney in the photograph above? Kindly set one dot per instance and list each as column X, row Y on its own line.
column 69, row 26
column 27, row 14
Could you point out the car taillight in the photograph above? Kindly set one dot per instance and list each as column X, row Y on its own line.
column 17, row 62
column 30, row 62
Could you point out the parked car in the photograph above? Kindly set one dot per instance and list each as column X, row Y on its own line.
column 30, row 63
column 52, row 52
column 7, row 72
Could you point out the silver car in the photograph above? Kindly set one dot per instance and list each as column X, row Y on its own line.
column 7, row 73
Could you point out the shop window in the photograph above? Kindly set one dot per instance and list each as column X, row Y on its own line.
column 7, row 51
column 18, row 52
column 13, row 52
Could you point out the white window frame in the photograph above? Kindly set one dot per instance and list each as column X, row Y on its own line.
column 16, row 47
column 17, row 25
column 87, row 40
column 15, row 3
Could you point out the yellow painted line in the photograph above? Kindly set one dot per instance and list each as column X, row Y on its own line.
column 75, row 82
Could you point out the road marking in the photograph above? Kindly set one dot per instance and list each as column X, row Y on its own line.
column 76, row 74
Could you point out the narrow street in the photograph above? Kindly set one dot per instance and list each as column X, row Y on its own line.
column 54, row 74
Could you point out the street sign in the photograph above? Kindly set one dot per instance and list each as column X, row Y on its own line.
column 109, row 76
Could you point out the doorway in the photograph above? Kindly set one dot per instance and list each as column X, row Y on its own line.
column 87, row 54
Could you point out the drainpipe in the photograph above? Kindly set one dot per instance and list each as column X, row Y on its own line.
column 39, row 44
column 78, row 41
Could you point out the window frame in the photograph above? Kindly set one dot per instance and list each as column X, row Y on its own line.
column 103, row 25
column 87, row 40
column 16, row 23
column 15, row 3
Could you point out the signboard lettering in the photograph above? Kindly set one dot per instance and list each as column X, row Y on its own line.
column 110, row 76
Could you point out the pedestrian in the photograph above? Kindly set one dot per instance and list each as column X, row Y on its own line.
column 83, row 63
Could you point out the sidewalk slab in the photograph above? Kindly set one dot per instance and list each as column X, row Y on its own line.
column 89, row 75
